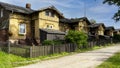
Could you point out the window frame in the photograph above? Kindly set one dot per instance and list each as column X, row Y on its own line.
column 20, row 25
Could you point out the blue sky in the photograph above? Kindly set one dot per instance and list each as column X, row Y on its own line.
column 102, row 13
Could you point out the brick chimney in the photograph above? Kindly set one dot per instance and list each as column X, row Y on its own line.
column 28, row 5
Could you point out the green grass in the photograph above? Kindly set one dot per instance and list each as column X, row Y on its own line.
column 112, row 62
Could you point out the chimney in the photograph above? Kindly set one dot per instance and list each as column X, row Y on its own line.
column 28, row 5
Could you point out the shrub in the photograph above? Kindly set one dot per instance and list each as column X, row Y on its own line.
column 116, row 38
column 77, row 37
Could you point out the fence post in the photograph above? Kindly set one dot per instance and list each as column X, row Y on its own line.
column 8, row 46
column 30, row 52
column 53, row 49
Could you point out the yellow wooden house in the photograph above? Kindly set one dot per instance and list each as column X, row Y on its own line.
column 23, row 22
column 80, row 24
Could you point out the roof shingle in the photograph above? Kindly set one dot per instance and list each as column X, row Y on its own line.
column 15, row 8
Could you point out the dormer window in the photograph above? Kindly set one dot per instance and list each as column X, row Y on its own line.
column 49, row 13
column 1, row 13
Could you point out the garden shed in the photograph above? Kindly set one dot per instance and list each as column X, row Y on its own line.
column 50, row 34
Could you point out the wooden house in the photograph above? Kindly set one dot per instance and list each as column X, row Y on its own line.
column 109, row 31
column 97, row 29
column 117, row 31
column 80, row 24
column 23, row 22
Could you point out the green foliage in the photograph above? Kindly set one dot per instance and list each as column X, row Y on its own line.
column 112, row 62
column 116, row 16
column 52, row 42
column 77, row 37
column 93, row 21
column 116, row 38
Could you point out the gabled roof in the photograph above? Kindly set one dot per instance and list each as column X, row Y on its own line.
column 74, row 20
column 96, row 25
column 51, row 8
column 15, row 8
column 117, row 30
column 51, row 31
column 109, row 28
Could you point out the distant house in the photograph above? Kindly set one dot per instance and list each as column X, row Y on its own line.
column 80, row 24
column 117, row 31
column 97, row 29
column 109, row 31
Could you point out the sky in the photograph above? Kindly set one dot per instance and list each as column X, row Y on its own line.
column 95, row 9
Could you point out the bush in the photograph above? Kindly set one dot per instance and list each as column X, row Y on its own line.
column 77, row 37
column 52, row 42
column 116, row 38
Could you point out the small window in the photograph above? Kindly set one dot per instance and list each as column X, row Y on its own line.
column 1, row 14
column 22, row 28
column 49, row 26
column 47, row 13
column 52, row 14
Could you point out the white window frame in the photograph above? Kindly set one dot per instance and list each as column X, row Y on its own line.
column 22, row 27
column 1, row 13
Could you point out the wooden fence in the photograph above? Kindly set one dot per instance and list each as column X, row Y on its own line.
column 35, row 51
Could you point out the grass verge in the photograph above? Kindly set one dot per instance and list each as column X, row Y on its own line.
column 112, row 62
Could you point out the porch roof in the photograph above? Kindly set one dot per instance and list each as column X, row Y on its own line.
column 51, row 31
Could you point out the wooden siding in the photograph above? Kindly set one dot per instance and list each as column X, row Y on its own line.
column 4, row 32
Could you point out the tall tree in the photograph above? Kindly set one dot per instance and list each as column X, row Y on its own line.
column 116, row 16
column 92, row 21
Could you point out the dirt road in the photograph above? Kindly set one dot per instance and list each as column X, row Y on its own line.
column 89, row 59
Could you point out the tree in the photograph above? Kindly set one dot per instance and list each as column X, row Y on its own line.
column 116, row 16
column 92, row 21
column 77, row 37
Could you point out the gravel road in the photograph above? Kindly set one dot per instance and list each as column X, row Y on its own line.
column 89, row 59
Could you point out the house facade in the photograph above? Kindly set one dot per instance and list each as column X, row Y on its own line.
column 80, row 24
column 109, row 31
column 25, row 23
column 21, row 23
column 97, row 29
column 117, row 31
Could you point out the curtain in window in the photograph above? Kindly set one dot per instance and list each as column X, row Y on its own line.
column 22, row 28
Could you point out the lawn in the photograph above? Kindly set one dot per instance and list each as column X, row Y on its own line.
column 112, row 62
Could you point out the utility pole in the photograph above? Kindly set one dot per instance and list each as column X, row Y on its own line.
column 84, row 8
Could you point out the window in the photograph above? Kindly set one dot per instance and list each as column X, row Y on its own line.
column 1, row 13
column 49, row 13
column 49, row 26
column 22, row 28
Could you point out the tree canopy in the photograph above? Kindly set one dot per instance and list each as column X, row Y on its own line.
column 116, row 16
